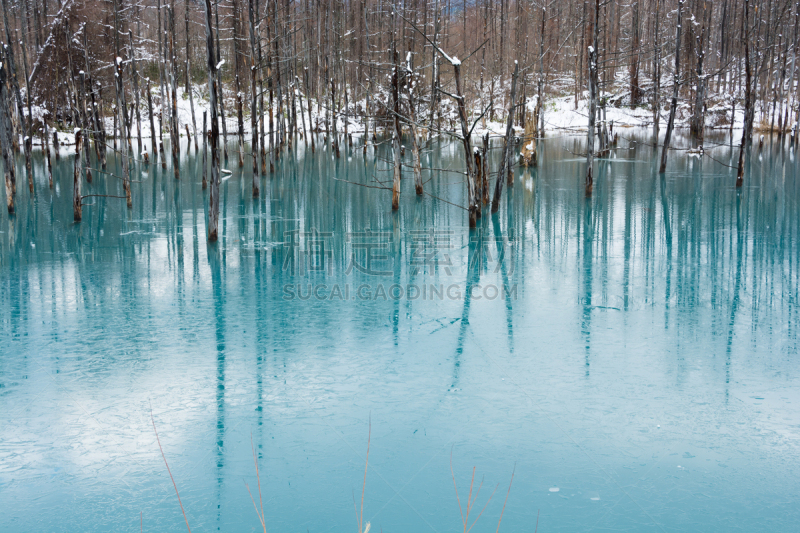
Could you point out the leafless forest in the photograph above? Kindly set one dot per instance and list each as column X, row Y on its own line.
column 264, row 74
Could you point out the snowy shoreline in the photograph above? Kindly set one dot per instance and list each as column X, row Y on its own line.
column 560, row 114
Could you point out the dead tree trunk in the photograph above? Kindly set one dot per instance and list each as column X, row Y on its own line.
column 253, row 97
column 213, row 198
column 676, row 83
column 28, row 131
column 189, row 75
column 592, row 101
column 636, row 90
column 397, row 174
column 484, row 187
column 434, row 73
column 237, row 85
column 6, row 133
column 480, row 178
column 697, row 123
column 77, row 210
column 412, row 123
column 240, row 121
column 46, row 142
column 125, row 148
column 657, row 77
column 505, row 172
column 98, row 133
column 161, row 75
column 472, row 198
column 334, row 132
column 152, row 124
column 220, row 96
column 174, row 127
column 121, row 101
column 135, row 80
column 540, row 81
column 85, row 124
column 12, row 75
column 529, row 155
column 205, row 152
column 748, row 95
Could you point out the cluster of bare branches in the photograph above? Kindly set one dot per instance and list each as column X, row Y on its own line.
column 298, row 67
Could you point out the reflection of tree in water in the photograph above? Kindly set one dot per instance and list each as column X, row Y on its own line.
column 473, row 277
column 737, row 286
column 586, row 256
column 477, row 260
column 217, row 267
column 505, row 256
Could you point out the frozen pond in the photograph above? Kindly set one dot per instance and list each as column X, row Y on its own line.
column 634, row 354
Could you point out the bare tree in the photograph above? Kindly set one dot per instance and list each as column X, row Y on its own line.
column 213, row 198
column 676, row 83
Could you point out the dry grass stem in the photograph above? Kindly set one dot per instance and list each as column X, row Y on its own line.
column 261, row 517
column 506, row 501
column 364, row 486
column 169, row 471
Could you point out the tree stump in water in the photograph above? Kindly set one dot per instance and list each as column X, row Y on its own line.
column 528, row 154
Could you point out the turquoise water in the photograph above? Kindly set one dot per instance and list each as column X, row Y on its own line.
column 632, row 357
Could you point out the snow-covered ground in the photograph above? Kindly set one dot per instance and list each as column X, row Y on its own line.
column 560, row 113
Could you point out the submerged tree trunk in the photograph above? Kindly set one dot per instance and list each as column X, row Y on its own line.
column 85, row 124
column 484, row 186
column 5, row 138
column 152, row 124
column 472, row 197
column 213, row 198
column 28, row 130
column 529, row 155
column 253, row 98
column 412, row 124
column 121, row 102
column 748, row 96
column 396, row 175
column 122, row 112
column 434, row 73
column 77, row 209
column 220, row 97
column 205, row 151
column 676, row 81
column 45, row 136
column 505, row 162
column 657, row 77
column 697, row 123
column 189, row 76
column 592, row 101
column 12, row 78
column 135, row 80
column 636, row 90
column 174, row 128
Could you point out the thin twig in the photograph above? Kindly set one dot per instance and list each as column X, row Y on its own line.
column 364, row 184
